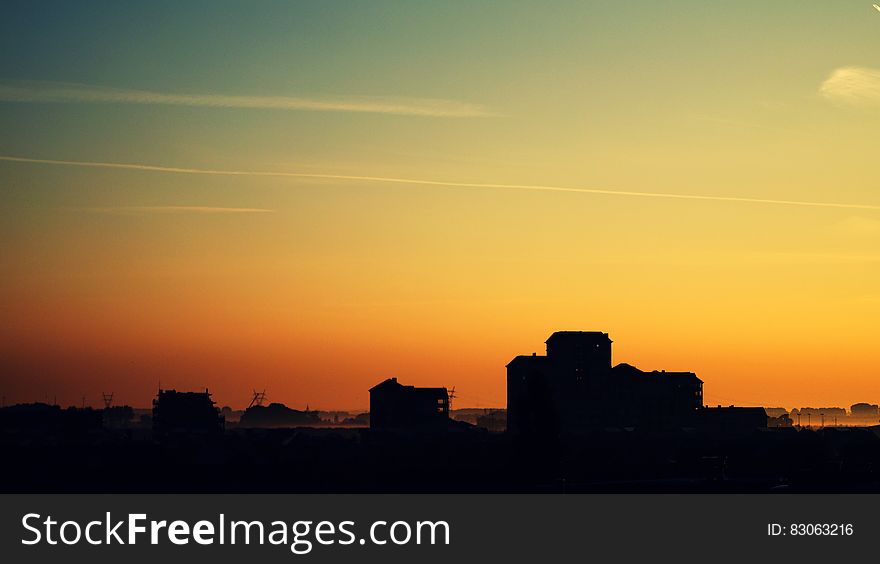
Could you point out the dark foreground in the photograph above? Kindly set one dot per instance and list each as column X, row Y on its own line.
column 467, row 461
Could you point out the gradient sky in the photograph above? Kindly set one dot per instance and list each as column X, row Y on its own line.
column 119, row 278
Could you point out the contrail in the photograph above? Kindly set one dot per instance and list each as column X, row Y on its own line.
column 53, row 92
column 123, row 210
column 423, row 182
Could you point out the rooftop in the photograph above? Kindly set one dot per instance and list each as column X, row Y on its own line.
column 592, row 335
column 625, row 368
column 532, row 358
column 392, row 383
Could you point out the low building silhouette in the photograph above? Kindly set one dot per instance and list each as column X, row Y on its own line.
column 185, row 412
column 359, row 420
column 865, row 411
column 494, row 420
column 574, row 388
column 393, row 405
column 732, row 420
column 778, row 421
column 818, row 412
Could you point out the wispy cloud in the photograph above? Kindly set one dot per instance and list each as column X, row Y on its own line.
column 857, row 86
column 442, row 183
column 139, row 210
column 53, row 92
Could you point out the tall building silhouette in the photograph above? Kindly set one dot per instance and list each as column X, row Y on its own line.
column 576, row 388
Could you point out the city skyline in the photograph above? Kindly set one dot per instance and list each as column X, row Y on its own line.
column 313, row 198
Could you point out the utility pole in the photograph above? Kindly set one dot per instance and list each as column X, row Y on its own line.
column 258, row 399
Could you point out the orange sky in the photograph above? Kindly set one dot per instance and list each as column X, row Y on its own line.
column 86, row 314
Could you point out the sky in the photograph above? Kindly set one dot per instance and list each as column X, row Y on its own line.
column 309, row 198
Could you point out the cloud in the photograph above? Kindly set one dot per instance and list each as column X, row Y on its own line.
column 54, row 92
column 439, row 183
column 138, row 210
column 857, row 86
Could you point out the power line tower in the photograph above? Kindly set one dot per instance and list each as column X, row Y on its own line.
column 258, row 399
column 108, row 399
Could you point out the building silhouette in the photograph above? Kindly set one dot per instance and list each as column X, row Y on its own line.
column 575, row 388
column 185, row 412
column 393, row 405
column 493, row 420
column 779, row 421
column 732, row 420
column 870, row 411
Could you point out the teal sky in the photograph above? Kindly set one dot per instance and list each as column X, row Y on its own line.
column 576, row 79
